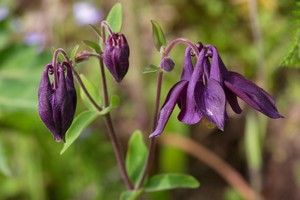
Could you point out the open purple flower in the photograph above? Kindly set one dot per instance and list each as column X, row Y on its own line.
column 235, row 85
column 204, row 90
column 57, row 105
column 195, row 94
column 178, row 95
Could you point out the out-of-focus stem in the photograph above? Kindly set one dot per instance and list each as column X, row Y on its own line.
column 212, row 160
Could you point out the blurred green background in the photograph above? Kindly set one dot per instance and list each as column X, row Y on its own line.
column 252, row 38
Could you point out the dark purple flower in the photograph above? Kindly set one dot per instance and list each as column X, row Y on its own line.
column 204, row 90
column 235, row 85
column 57, row 105
column 116, row 56
column 179, row 95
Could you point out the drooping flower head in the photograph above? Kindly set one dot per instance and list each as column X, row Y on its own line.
column 116, row 55
column 57, row 102
column 204, row 90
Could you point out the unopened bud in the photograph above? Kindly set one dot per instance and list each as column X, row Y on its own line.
column 57, row 105
column 116, row 56
column 167, row 64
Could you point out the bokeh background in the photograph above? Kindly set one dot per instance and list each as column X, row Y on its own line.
column 253, row 38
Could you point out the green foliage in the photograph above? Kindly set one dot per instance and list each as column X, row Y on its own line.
column 92, row 45
column 74, row 53
column 92, row 91
column 96, row 30
column 114, row 18
column 158, row 36
column 130, row 195
column 4, row 169
column 292, row 57
column 80, row 122
column 136, row 156
column 170, row 181
column 150, row 69
column 253, row 142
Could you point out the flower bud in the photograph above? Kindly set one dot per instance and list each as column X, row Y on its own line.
column 57, row 105
column 167, row 64
column 116, row 56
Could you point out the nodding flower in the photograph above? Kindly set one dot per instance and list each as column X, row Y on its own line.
column 57, row 100
column 116, row 55
column 204, row 90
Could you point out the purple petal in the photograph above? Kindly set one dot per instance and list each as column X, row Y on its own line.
column 189, row 113
column 187, row 65
column 232, row 100
column 168, row 107
column 253, row 95
column 218, row 69
column 211, row 101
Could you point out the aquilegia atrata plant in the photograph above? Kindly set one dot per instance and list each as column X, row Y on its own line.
column 203, row 91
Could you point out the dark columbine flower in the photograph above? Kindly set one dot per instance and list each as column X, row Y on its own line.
column 204, row 90
column 57, row 105
column 116, row 56
column 179, row 95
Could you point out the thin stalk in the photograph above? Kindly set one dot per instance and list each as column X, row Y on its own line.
column 111, row 131
column 105, row 25
column 203, row 154
column 151, row 145
column 77, row 77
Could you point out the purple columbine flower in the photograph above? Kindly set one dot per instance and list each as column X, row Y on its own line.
column 57, row 105
column 204, row 90
column 116, row 56
column 179, row 95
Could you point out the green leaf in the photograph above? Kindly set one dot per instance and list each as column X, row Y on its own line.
column 80, row 123
column 170, row 181
column 96, row 30
column 158, row 35
column 114, row 18
column 150, row 69
column 92, row 91
column 74, row 52
column 131, row 195
column 136, row 156
column 93, row 45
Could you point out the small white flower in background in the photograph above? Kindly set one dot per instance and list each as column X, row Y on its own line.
column 85, row 13
column 3, row 12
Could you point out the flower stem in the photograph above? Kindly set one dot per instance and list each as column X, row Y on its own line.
column 54, row 63
column 111, row 130
column 180, row 40
column 78, row 79
column 105, row 25
column 151, row 145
